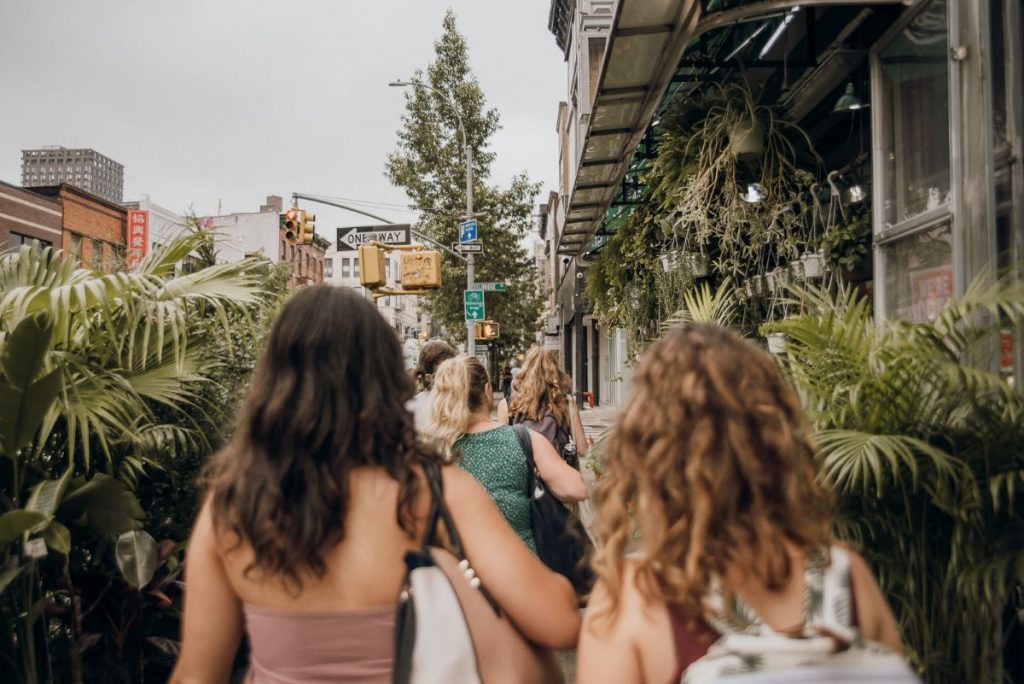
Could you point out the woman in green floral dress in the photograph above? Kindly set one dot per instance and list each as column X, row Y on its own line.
column 461, row 427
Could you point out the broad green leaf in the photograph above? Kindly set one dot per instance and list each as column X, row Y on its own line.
column 15, row 523
column 137, row 555
column 25, row 347
column 46, row 495
column 8, row 576
column 103, row 503
column 58, row 538
column 22, row 411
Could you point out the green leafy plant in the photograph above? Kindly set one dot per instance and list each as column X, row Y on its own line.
column 925, row 452
column 104, row 390
column 848, row 243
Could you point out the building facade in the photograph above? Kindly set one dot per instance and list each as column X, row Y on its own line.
column 914, row 107
column 404, row 314
column 27, row 217
column 93, row 228
column 259, row 233
column 86, row 169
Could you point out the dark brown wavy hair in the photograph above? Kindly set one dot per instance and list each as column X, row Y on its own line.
column 541, row 388
column 328, row 396
column 711, row 466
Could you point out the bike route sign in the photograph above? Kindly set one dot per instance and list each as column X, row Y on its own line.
column 467, row 231
column 473, row 303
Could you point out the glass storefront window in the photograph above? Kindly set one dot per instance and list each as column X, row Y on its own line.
column 914, row 71
column 919, row 274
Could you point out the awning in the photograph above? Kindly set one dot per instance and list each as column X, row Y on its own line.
column 646, row 41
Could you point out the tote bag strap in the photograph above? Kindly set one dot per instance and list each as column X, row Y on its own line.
column 439, row 513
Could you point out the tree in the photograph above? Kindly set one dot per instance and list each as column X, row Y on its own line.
column 429, row 165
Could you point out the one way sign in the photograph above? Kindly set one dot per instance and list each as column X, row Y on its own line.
column 350, row 238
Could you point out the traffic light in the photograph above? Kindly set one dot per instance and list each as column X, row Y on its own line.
column 486, row 330
column 307, row 227
column 291, row 224
column 421, row 270
column 371, row 267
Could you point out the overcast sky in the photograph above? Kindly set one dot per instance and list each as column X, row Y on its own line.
column 209, row 102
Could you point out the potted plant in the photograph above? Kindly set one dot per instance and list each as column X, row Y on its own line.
column 847, row 246
column 812, row 265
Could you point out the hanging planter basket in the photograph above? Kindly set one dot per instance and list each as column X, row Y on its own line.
column 812, row 265
column 697, row 264
column 746, row 140
column 776, row 342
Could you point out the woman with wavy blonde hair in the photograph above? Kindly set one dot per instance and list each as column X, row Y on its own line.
column 717, row 556
column 461, row 428
column 542, row 403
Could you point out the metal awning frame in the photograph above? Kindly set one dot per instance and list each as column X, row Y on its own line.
column 680, row 36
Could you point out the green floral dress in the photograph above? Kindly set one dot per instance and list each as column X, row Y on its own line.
column 497, row 461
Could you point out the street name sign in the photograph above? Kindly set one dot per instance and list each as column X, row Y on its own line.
column 467, row 231
column 473, row 303
column 490, row 287
column 468, row 247
column 351, row 237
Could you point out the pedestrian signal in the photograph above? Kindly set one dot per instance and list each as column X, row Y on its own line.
column 291, row 224
column 421, row 270
column 371, row 267
column 486, row 330
column 307, row 227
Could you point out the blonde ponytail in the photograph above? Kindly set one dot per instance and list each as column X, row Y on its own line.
column 449, row 406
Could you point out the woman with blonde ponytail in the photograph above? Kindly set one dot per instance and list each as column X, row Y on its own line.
column 461, row 428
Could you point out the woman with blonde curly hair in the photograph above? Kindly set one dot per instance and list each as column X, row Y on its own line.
column 718, row 557
column 542, row 403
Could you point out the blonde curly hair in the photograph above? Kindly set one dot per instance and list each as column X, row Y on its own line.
column 541, row 388
column 710, row 466
column 459, row 388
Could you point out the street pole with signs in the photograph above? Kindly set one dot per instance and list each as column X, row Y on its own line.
column 470, row 272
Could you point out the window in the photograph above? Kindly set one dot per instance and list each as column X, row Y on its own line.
column 329, row 268
column 919, row 274
column 284, row 249
column 345, row 270
column 97, row 253
column 76, row 245
column 914, row 117
column 17, row 240
column 355, row 268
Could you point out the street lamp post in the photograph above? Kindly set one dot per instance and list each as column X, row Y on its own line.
column 470, row 274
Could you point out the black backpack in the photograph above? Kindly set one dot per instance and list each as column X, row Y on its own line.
column 562, row 542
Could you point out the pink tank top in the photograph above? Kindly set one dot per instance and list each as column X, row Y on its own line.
column 293, row 647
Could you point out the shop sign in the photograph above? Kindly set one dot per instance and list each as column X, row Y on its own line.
column 138, row 236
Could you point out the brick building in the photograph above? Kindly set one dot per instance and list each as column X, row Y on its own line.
column 92, row 227
column 25, row 216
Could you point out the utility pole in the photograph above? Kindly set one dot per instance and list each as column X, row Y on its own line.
column 470, row 259
column 470, row 273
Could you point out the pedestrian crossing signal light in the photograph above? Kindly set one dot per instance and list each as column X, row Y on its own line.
column 371, row 267
column 487, row 330
column 421, row 270
column 307, row 227
column 291, row 224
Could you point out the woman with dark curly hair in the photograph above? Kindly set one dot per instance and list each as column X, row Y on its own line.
column 314, row 504
column 718, row 557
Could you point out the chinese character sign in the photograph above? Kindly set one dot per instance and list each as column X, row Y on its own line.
column 138, row 235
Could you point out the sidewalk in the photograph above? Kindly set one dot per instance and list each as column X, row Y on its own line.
column 597, row 420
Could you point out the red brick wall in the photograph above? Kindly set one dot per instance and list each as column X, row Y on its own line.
column 28, row 214
column 92, row 218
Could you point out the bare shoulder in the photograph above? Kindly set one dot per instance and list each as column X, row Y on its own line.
column 873, row 612
column 630, row 637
